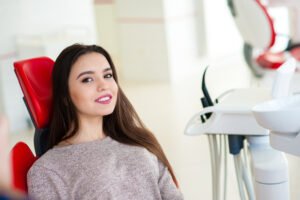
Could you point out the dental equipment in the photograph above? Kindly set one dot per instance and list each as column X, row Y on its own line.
column 257, row 29
column 233, row 117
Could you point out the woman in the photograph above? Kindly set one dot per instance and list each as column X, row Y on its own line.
column 98, row 146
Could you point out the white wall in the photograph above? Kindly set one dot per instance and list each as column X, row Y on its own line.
column 106, row 24
column 223, row 38
column 31, row 28
column 181, row 32
column 141, row 32
column 152, row 40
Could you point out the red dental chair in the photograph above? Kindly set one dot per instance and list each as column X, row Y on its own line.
column 257, row 30
column 34, row 76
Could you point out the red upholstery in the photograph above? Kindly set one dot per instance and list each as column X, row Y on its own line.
column 271, row 60
column 275, row 60
column 34, row 76
column 22, row 160
column 267, row 59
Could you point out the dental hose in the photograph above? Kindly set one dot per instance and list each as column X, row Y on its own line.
column 235, row 144
column 215, row 147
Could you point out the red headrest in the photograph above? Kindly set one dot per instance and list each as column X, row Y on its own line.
column 22, row 160
column 34, row 76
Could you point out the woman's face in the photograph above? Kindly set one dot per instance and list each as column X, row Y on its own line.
column 92, row 87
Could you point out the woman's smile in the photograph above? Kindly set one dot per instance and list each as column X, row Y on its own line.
column 105, row 99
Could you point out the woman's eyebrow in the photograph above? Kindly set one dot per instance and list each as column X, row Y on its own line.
column 85, row 72
column 107, row 69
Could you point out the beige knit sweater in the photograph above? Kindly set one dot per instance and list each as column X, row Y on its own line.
column 102, row 169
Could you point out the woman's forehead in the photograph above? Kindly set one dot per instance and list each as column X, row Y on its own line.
column 90, row 61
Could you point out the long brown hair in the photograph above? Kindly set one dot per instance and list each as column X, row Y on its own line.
column 123, row 125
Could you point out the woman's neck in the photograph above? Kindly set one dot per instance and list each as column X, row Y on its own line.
column 90, row 129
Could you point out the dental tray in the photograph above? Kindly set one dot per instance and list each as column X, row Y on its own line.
column 233, row 115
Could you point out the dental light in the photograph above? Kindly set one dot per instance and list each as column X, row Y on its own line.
column 261, row 39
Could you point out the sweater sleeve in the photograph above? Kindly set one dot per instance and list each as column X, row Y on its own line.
column 167, row 187
column 45, row 184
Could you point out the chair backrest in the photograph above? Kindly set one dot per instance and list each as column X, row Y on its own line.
column 34, row 76
column 253, row 22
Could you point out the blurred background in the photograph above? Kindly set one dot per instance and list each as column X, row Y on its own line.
column 160, row 48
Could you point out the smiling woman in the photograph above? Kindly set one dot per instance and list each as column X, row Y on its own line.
column 98, row 146
column 92, row 88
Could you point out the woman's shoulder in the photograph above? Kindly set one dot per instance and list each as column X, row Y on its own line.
column 48, row 161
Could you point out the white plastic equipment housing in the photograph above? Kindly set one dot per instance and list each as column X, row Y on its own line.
column 253, row 23
column 269, row 165
column 232, row 115
column 269, row 169
column 281, row 116
column 284, row 75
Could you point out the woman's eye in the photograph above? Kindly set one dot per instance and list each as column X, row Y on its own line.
column 86, row 80
column 108, row 76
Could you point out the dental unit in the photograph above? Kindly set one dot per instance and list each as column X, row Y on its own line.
column 242, row 121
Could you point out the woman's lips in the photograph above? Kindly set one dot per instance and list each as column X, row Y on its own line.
column 105, row 99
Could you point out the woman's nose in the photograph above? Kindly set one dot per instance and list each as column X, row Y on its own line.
column 102, row 84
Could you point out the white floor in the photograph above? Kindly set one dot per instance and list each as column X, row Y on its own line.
column 166, row 109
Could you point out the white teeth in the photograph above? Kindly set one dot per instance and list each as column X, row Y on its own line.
column 104, row 99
